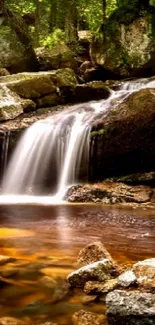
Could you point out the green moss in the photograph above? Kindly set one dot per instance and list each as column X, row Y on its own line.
column 99, row 132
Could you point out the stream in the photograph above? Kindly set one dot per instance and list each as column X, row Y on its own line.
column 44, row 241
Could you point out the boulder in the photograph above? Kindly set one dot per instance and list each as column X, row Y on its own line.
column 130, row 307
column 122, row 143
column 128, row 45
column 94, row 90
column 44, row 88
column 97, row 271
column 11, row 105
column 92, row 253
column 58, row 57
column 15, row 46
column 83, row 317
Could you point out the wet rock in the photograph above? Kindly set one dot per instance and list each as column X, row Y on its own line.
column 96, row 287
column 49, row 100
column 98, row 271
column 48, row 282
column 84, row 66
column 92, row 253
column 127, row 279
column 123, row 142
column 58, row 57
column 132, row 308
column 109, row 192
column 87, row 318
column 8, row 270
column 86, row 300
column 139, row 178
column 94, row 90
column 5, row 259
column 4, row 72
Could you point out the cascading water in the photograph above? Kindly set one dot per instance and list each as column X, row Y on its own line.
column 57, row 148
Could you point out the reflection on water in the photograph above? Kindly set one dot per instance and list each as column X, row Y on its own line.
column 45, row 242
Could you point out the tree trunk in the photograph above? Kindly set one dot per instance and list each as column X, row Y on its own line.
column 20, row 28
column 71, row 33
column 37, row 23
column 52, row 16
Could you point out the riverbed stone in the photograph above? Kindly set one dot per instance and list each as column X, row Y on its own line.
column 130, row 307
column 110, row 192
column 97, row 271
column 93, row 252
column 127, row 279
column 6, row 259
column 145, row 273
column 96, row 287
column 83, row 317
column 12, row 321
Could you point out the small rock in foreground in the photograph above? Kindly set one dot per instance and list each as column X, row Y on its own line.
column 92, row 253
column 98, row 271
column 132, row 308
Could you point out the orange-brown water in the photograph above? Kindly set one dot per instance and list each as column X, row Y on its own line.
column 45, row 242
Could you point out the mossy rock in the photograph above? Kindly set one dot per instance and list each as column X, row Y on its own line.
column 58, row 57
column 128, row 46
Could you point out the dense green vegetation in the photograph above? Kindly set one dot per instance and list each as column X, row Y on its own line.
column 58, row 21
column 52, row 21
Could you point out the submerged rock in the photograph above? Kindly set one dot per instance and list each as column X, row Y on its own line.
column 97, row 271
column 83, row 317
column 12, row 321
column 131, row 307
column 92, row 253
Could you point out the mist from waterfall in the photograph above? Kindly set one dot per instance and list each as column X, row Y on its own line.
column 56, row 150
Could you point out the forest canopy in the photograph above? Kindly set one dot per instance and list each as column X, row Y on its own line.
column 58, row 21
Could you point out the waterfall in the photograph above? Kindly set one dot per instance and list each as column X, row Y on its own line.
column 54, row 151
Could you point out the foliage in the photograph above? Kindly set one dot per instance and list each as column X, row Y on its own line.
column 57, row 37
column 50, row 16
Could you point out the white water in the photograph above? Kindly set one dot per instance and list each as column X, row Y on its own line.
column 57, row 147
